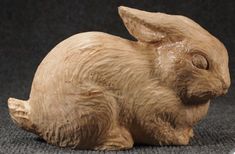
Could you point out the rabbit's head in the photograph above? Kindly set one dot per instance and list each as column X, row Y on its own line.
column 189, row 60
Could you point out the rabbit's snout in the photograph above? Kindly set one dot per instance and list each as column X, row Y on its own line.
column 224, row 92
column 225, row 82
column 221, row 89
column 225, row 88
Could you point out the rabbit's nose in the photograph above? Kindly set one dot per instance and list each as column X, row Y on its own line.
column 225, row 82
column 224, row 91
column 225, row 88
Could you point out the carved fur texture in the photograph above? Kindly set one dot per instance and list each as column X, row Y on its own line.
column 99, row 91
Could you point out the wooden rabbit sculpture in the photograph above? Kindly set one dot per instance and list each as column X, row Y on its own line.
column 103, row 92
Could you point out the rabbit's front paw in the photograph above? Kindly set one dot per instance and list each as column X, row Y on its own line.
column 183, row 136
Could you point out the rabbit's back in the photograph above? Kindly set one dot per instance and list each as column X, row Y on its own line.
column 94, row 57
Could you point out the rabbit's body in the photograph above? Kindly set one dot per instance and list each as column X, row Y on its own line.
column 92, row 85
column 98, row 91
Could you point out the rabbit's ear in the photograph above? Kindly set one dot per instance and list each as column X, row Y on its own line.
column 153, row 27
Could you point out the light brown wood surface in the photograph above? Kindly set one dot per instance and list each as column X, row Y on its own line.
column 99, row 91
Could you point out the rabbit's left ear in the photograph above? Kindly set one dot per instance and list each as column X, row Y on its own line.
column 154, row 27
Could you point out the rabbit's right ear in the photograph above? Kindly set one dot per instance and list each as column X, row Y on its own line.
column 150, row 27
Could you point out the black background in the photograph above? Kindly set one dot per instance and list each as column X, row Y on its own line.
column 30, row 29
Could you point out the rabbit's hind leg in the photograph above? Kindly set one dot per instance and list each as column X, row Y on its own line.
column 92, row 120
column 91, row 113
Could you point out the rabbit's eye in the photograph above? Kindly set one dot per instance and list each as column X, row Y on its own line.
column 200, row 61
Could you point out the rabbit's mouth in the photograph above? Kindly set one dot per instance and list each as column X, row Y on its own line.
column 199, row 97
column 198, row 100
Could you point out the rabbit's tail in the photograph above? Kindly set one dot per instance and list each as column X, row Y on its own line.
column 19, row 112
